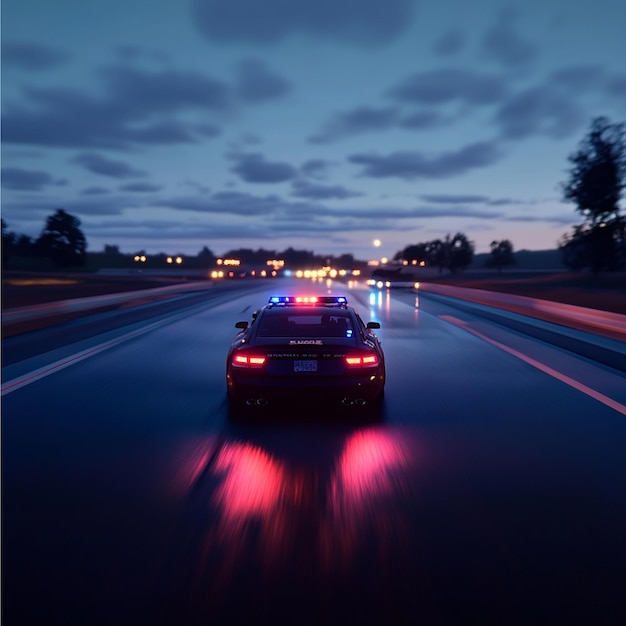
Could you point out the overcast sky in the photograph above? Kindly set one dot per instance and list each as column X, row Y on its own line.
column 320, row 124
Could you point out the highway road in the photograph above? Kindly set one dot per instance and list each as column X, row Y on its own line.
column 490, row 489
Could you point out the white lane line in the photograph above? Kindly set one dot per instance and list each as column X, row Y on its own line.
column 52, row 368
column 592, row 393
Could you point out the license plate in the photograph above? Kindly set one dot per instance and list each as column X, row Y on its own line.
column 305, row 366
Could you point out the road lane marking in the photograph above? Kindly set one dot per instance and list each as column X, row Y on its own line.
column 592, row 393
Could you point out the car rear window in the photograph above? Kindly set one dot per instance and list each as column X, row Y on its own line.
column 288, row 323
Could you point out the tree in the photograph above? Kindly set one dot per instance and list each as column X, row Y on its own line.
column 25, row 246
column 595, row 185
column 413, row 253
column 599, row 247
column 204, row 259
column 437, row 251
column 597, row 175
column 111, row 250
column 452, row 253
column 344, row 261
column 62, row 241
column 501, row 254
column 460, row 252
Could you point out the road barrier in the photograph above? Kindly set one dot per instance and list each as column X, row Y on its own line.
column 74, row 305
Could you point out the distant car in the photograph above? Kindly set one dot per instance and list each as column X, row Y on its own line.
column 382, row 283
column 299, row 349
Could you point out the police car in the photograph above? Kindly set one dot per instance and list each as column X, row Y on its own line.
column 306, row 347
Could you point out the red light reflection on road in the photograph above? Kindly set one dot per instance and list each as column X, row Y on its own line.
column 367, row 462
column 254, row 501
column 367, row 485
column 253, row 482
column 285, row 516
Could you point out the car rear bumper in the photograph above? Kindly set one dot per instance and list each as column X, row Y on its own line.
column 262, row 391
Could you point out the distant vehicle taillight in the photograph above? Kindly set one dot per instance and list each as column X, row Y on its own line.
column 241, row 359
column 368, row 360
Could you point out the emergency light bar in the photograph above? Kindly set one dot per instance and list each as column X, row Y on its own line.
column 338, row 300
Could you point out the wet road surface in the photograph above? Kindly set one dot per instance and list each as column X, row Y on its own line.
column 487, row 490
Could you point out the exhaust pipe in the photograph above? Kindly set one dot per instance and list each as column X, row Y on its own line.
column 256, row 401
column 353, row 401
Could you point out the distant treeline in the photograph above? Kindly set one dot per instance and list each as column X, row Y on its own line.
column 63, row 245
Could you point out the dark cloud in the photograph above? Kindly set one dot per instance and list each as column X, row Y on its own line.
column 137, row 108
column 450, row 43
column 577, row 77
column 440, row 212
column 169, row 132
column 27, row 180
column 277, row 211
column 422, row 119
column 617, row 87
column 557, row 107
column 361, row 22
column 411, row 165
column 253, row 168
column 258, row 84
column 387, row 214
column 57, row 117
column 226, row 202
column 141, row 188
column 504, row 44
column 316, row 168
column 446, row 85
column 76, row 204
column 226, row 215
column 565, row 219
column 207, row 130
column 32, row 57
column 243, row 230
column 145, row 93
column 131, row 53
column 106, row 167
column 95, row 191
column 466, row 199
column 543, row 110
column 360, row 120
column 304, row 189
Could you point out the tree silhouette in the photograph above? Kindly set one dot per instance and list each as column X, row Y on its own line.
column 597, row 175
column 438, row 254
column 595, row 185
column 414, row 253
column 460, row 252
column 452, row 253
column 62, row 241
column 501, row 254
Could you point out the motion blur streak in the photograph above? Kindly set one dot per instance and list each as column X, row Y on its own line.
column 592, row 393
column 255, row 503
column 296, row 514
column 367, row 465
column 253, row 483
column 371, row 477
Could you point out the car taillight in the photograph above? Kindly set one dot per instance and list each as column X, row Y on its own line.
column 368, row 360
column 248, row 360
